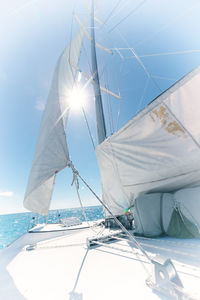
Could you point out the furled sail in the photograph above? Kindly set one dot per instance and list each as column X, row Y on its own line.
column 157, row 151
column 51, row 154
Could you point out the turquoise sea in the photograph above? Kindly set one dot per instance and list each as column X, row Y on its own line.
column 13, row 226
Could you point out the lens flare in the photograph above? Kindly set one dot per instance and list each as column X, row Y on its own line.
column 77, row 98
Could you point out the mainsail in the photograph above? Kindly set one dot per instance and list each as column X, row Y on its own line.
column 157, row 151
column 51, row 154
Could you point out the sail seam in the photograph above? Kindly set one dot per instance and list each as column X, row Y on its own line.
column 135, row 184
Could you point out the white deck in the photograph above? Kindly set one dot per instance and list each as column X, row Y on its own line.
column 62, row 267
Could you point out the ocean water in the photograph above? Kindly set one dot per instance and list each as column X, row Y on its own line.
column 13, row 226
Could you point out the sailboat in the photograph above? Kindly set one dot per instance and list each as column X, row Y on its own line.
column 149, row 172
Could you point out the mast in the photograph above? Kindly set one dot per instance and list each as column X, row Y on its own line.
column 101, row 127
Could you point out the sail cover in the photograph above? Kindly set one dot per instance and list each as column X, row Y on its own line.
column 157, row 151
column 51, row 154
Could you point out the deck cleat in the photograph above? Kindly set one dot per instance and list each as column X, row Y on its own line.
column 165, row 279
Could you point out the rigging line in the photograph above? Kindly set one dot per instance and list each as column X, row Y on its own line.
column 75, row 179
column 145, row 69
column 167, row 242
column 88, row 60
column 142, row 97
column 101, row 72
column 119, row 110
column 161, row 248
column 170, row 53
column 162, row 179
column 109, row 113
column 132, row 238
column 112, row 11
column 110, row 108
column 108, row 97
column 134, row 252
column 168, row 24
column 163, row 240
column 161, row 54
column 18, row 10
column 58, row 246
column 120, row 100
column 157, row 54
column 140, row 61
column 149, row 245
column 117, row 80
column 107, row 103
column 117, row 50
column 89, row 10
column 123, row 5
column 121, row 249
column 71, row 46
column 164, row 78
column 88, row 127
column 130, row 13
column 171, row 250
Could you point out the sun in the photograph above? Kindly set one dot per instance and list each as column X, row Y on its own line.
column 76, row 98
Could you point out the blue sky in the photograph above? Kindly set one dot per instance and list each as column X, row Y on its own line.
column 165, row 36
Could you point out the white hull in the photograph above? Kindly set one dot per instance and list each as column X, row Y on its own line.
column 62, row 267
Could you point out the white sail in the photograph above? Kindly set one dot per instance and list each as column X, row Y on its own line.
column 157, row 151
column 51, row 154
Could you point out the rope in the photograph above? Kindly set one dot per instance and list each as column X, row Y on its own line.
column 132, row 238
column 75, row 180
column 170, row 53
column 88, row 60
column 132, row 11
column 140, row 61
column 119, row 110
column 165, row 249
column 90, row 134
column 120, row 100
column 104, row 73
column 186, row 295
column 36, row 247
column 69, row 59
column 172, row 22
column 169, row 242
column 143, row 94
column 109, row 107
column 164, row 78
column 112, row 11
column 114, row 248
column 195, row 269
